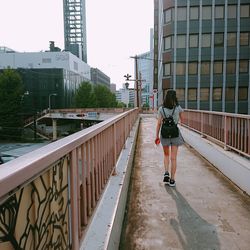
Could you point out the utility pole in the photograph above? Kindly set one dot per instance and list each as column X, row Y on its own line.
column 136, row 80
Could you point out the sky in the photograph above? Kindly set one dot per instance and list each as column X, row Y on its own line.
column 116, row 30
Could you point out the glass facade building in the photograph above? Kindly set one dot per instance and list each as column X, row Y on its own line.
column 145, row 69
column 203, row 51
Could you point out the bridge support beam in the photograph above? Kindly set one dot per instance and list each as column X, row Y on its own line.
column 54, row 124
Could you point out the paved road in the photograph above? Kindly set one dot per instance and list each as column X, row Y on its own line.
column 204, row 211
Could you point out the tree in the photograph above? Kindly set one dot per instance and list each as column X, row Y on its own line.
column 85, row 97
column 104, row 97
column 11, row 92
column 121, row 105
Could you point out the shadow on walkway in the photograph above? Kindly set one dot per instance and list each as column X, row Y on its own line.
column 192, row 230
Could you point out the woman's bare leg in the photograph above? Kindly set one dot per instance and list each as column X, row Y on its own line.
column 174, row 150
column 166, row 158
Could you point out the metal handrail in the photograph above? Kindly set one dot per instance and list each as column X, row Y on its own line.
column 58, row 185
column 229, row 130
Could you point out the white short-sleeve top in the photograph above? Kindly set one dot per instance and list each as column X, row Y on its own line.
column 168, row 112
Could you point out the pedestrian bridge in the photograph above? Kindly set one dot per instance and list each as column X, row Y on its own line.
column 71, row 194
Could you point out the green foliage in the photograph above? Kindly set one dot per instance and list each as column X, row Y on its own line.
column 121, row 105
column 98, row 96
column 85, row 97
column 104, row 97
column 11, row 92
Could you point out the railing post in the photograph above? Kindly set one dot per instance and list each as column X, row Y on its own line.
column 115, row 149
column 74, row 200
column 202, row 125
column 225, row 133
column 125, row 130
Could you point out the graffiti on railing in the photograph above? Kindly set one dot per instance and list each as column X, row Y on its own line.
column 37, row 216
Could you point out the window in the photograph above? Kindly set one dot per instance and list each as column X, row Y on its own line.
column 218, row 40
column 231, row 39
column 193, row 41
column 182, row 14
column 204, row 94
column 243, row 93
column 180, row 68
column 180, row 93
column 75, row 66
column 231, row 11
column 206, row 13
column 167, row 69
column 230, row 67
column 46, row 60
column 217, row 94
column 244, row 10
column 194, row 13
column 192, row 68
column 167, row 42
column 243, row 66
column 181, row 41
column 218, row 67
column 219, row 12
column 206, row 40
column 167, row 16
column 192, row 94
column 244, row 39
column 205, row 68
column 229, row 94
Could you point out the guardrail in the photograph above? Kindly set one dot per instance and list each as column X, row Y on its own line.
column 230, row 130
column 47, row 197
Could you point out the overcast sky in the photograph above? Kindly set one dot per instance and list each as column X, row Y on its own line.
column 116, row 30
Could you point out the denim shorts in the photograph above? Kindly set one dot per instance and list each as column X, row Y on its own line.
column 178, row 141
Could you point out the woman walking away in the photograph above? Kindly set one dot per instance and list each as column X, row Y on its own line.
column 171, row 110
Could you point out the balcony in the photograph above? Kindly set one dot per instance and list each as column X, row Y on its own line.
column 71, row 194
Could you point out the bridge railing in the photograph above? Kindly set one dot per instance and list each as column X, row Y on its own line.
column 230, row 130
column 47, row 197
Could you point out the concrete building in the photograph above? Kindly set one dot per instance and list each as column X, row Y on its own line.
column 113, row 87
column 126, row 96
column 202, row 50
column 75, row 35
column 98, row 77
column 46, row 73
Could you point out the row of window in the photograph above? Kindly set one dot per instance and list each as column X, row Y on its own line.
column 217, row 94
column 206, row 12
column 205, row 67
column 206, row 40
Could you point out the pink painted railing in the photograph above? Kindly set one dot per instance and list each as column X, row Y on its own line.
column 230, row 130
column 47, row 197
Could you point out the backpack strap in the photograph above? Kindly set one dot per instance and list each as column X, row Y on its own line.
column 165, row 113
column 173, row 110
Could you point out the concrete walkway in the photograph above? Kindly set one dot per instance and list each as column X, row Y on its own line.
column 204, row 211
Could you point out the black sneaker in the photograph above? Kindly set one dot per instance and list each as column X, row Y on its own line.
column 166, row 177
column 172, row 183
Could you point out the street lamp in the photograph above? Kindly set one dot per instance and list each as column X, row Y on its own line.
column 53, row 94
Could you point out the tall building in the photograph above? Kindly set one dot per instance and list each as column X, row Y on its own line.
column 75, row 36
column 145, row 69
column 202, row 49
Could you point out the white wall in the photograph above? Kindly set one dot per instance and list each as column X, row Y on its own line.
column 38, row 60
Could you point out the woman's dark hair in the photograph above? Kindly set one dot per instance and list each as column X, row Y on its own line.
column 170, row 99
